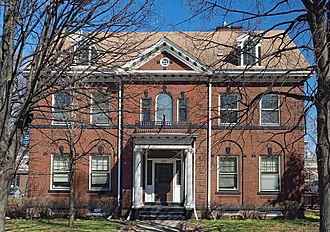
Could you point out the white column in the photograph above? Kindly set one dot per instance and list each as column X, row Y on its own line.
column 189, row 184
column 137, row 181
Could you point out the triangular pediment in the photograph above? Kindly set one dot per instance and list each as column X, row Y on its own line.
column 166, row 56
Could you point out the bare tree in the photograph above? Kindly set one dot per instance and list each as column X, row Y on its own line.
column 40, row 42
column 71, row 138
column 307, row 23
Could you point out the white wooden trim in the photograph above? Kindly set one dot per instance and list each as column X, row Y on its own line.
column 91, row 110
column 90, row 174
column 238, row 173
column 279, row 174
column 156, row 110
column 51, row 175
column 279, row 112
column 219, row 109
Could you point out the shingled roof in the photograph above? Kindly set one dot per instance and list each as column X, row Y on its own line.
column 216, row 49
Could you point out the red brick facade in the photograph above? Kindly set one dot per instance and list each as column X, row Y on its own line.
column 248, row 140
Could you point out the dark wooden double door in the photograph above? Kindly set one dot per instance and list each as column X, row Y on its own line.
column 163, row 182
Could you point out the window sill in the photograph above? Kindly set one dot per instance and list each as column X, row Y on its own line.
column 59, row 190
column 228, row 192
column 95, row 125
column 60, row 123
column 98, row 191
column 270, row 124
column 269, row 193
column 250, row 66
column 228, row 124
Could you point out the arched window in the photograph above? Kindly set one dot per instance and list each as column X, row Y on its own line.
column 164, row 108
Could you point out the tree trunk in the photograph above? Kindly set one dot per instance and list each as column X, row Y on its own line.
column 7, row 143
column 323, row 156
column 5, row 175
column 72, row 199
column 7, row 170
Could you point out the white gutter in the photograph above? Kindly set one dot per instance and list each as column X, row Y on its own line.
column 232, row 72
column 209, row 144
column 119, row 141
column 264, row 72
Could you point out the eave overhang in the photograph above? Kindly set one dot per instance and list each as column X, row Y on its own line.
column 236, row 75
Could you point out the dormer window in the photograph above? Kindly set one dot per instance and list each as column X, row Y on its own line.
column 85, row 53
column 250, row 51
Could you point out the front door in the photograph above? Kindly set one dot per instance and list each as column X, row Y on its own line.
column 163, row 182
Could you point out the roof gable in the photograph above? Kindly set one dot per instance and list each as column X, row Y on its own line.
column 180, row 60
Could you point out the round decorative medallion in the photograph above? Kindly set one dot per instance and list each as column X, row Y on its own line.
column 165, row 62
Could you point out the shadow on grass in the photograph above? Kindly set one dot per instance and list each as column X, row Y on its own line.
column 95, row 225
column 308, row 219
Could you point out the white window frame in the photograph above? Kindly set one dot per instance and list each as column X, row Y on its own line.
column 91, row 111
column 278, row 109
column 237, row 109
column 240, row 43
column 64, row 122
column 237, row 173
column 279, row 174
column 52, row 187
column 141, row 118
column 156, row 109
column 104, row 172
column 90, row 50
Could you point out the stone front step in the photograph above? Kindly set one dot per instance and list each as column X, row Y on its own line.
column 162, row 212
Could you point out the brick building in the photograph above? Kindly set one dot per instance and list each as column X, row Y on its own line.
column 193, row 118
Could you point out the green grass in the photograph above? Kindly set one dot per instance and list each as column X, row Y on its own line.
column 62, row 225
column 309, row 224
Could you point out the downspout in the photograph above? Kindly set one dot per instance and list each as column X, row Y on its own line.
column 194, row 193
column 209, row 144
column 119, row 142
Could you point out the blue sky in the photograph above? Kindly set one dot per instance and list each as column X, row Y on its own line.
column 175, row 12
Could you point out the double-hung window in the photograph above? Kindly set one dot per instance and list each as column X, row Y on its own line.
column 100, row 172
column 60, row 171
column 62, row 107
column 146, row 109
column 229, row 112
column 100, row 108
column 227, row 173
column 270, row 110
column 270, row 173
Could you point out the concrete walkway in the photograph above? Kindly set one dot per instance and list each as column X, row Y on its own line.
column 155, row 225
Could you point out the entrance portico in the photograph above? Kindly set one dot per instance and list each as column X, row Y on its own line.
column 163, row 169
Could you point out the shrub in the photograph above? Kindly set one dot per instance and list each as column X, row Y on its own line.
column 106, row 206
column 250, row 211
column 16, row 208
column 38, row 208
column 250, row 214
column 291, row 209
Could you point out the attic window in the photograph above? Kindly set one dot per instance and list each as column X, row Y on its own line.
column 250, row 51
column 165, row 62
column 85, row 53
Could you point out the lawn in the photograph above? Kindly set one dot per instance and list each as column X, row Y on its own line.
column 62, row 225
column 310, row 223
